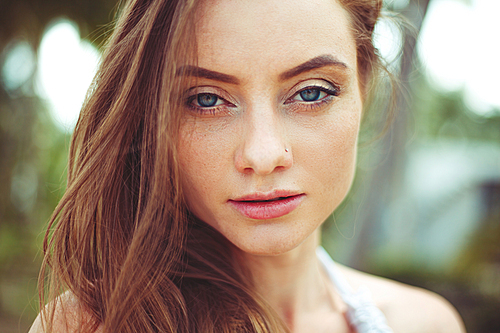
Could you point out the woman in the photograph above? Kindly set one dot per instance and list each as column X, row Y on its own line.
column 217, row 138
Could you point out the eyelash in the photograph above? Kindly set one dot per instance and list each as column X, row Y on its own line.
column 311, row 105
column 218, row 109
column 213, row 110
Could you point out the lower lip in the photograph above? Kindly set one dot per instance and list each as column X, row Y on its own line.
column 263, row 210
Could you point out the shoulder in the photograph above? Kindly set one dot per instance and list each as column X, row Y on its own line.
column 69, row 317
column 408, row 309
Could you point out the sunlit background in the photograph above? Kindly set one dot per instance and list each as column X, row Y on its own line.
column 425, row 205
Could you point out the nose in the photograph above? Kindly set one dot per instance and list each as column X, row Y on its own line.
column 264, row 146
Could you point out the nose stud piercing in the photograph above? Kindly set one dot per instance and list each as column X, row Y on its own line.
column 286, row 150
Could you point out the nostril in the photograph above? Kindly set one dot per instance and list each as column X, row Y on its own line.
column 263, row 160
column 264, row 147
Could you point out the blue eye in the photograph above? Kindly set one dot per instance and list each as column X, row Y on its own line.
column 207, row 100
column 313, row 94
column 206, row 103
column 310, row 94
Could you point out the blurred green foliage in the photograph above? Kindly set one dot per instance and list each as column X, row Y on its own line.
column 33, row 154
column 438, row 114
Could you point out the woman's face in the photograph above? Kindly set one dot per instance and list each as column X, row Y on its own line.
column 268, row 143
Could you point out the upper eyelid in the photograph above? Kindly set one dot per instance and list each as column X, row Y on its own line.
column 299, row 87
column 191, row 93
column 320, row 83
column 206, row 90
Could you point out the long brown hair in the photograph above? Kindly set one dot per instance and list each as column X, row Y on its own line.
column 121, row 239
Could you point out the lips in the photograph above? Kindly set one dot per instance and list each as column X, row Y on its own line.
column 263, row 206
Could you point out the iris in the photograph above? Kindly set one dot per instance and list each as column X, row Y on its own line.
column 310, row 95
column 207, row 100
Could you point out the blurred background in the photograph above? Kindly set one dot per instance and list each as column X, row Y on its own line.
column 425, row 205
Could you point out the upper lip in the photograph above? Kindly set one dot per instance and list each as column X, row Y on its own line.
column 263, row 196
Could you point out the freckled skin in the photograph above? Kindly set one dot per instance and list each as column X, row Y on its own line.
column 242, row 151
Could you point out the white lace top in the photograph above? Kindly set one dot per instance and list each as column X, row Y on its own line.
column 362, row 312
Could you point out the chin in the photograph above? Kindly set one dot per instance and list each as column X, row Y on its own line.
column 272, row 239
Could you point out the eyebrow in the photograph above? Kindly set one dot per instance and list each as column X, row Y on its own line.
column 314, row 63
column 206, row 73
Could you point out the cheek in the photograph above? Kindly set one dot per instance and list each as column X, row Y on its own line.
column 341, row 142
column 203, row 157
column 342, row 154
column 328, row 153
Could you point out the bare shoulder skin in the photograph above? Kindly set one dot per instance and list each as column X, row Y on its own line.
column 68, row 318
column 408, row 309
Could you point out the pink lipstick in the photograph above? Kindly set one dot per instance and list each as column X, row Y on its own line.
column 262, row 206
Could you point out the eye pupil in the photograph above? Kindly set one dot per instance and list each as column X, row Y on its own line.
column 310, row 95
column 207, row 100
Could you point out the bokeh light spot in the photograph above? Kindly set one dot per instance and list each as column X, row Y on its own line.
column 460, row 49
column 18, row 65
column 66, row 66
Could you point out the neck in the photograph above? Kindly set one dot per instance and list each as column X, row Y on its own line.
column 293, row 282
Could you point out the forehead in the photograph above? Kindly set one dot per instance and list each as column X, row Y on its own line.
column 252, row 37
